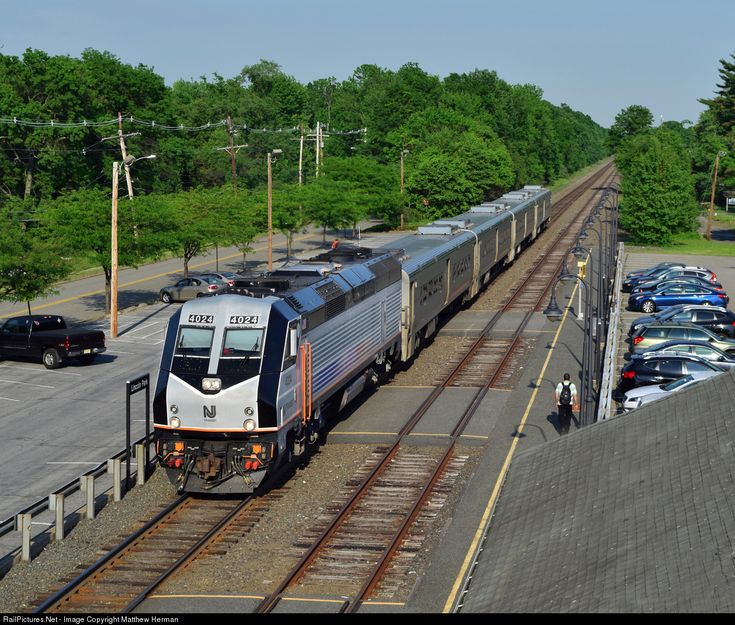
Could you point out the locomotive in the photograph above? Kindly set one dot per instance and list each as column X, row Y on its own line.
column 250, row 376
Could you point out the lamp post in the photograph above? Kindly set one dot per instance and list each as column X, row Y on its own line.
column 403, row 154
column 554, row 313
column 271, row 154
column 129, row 160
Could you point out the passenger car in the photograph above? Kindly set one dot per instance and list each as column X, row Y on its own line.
column 228, row 277
column 47, row 337
column 647, row 274
column 655, row 285
column 674, row 272
column 637, row 397
column 656, row 333
column 715, row 318
column 658, row 367
column 190, row 288
column 721, row 360
column 676, row 294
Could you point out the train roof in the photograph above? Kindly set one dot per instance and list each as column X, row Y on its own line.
column 343, row 275
column 444, row 235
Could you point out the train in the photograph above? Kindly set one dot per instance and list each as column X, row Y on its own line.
column 250, row 377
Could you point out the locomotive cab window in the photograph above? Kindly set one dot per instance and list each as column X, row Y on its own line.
column 242, row 343
column 292, row 345
column 193, row 347
column 241, row 352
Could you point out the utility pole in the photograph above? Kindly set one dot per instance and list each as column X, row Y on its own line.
column 301, row 156
column 271, row 154
column 124, row 152
column 232, row 150
column 403, row 154
column 712, row 197
column 317, row 140
column 113, row 248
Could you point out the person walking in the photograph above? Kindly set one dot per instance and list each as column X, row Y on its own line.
column 566, row 397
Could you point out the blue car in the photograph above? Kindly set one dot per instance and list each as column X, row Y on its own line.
column 649, row 302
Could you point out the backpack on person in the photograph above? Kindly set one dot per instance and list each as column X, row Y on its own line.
column 565, row 397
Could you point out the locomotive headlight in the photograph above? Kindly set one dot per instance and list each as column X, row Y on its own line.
column 175, row 422
column 174, row 408
column 211, row 384
column 249, row 411
column 249, row 425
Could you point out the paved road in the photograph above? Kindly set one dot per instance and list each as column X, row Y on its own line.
column 58, row 424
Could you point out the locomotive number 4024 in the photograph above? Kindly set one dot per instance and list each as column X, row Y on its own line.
column 244, row 319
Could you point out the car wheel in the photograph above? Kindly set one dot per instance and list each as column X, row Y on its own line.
column 648, row 306
column 51, row 359
column 165, row 298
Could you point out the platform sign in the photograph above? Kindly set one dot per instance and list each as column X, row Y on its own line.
column 143, row 383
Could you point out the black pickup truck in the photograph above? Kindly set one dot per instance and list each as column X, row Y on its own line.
column 47, row 337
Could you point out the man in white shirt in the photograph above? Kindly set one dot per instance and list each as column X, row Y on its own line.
column 566, row 397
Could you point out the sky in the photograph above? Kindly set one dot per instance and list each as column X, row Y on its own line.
column 597, row 57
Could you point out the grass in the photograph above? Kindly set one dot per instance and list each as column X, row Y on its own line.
column 689, row 243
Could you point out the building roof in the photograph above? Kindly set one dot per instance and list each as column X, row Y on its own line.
column 634, row 514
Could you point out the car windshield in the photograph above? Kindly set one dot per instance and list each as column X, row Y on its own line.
column 211, row 280
column 672, row 386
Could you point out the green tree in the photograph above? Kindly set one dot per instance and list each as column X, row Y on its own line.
column 657, row 187
column 631, row 121
column 29, row 263
column 723, row 104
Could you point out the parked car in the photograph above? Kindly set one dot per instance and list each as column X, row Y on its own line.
column 676, row 294
column 675, row 272
column 228, row 277
column 47, row 337
column 721, row 360
column 651, row 335
column 660, row 367
column 715, row 318
column 635, row 398
column 655, row 285
column 190, row 288
column 648, row 274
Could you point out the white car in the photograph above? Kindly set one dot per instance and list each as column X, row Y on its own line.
column 636, row 397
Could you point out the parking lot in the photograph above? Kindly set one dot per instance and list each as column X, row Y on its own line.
column 59, row 423
column 723, row 266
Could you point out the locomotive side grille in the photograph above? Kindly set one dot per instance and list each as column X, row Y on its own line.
column 335, row 306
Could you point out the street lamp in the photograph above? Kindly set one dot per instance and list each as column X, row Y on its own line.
column 271, row 154
column 129, row 160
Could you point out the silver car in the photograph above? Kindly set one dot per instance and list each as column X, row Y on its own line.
column 190, row 288
column 637, row 397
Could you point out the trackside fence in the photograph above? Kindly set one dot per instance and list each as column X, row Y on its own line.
column 606, row 404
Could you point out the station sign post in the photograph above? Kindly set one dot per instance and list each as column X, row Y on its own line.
column 131, row 388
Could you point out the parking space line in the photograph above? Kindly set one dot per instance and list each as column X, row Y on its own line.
column 117, row 351
column 40, row 370
column 27, row 383
column 9, row 399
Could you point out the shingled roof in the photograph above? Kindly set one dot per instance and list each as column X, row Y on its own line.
column 634, row 514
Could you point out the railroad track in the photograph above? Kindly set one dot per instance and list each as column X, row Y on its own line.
column 185, row 530
column 362, row 539
column 411, row 485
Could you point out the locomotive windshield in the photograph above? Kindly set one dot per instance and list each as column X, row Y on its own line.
column 193, row 347
column 241, row 352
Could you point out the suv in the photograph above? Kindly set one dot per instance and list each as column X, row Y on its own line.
column 715, row 318
column 656, row 333
column 659, row 368
column 721, row 360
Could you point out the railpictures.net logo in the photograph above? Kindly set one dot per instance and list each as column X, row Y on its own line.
column 85, row 620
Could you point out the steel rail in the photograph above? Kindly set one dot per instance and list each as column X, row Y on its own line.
column 55, row 599
column 270, row 602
